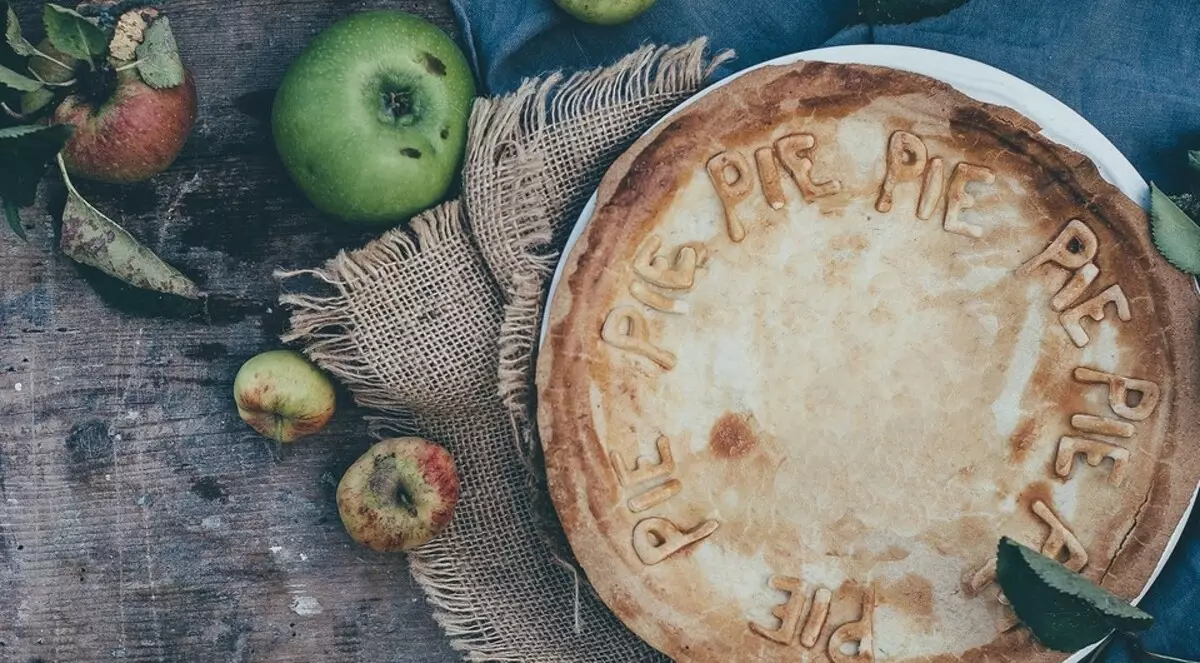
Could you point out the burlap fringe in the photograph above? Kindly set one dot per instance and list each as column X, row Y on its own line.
column 323, row 323
column 508, row 130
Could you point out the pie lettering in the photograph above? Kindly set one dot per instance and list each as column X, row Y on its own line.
column 1089, row 423
column 673, row 273
column 1074, row 247
column 931, row 190
column 656, row 539
column 643, row 468
column 958, row 199
column 1074, row 287
column 655, row 496
column 856, row 635
column 906, row 156
column 1121, row 391
column 1095, row 451
column 768, row 177
column 1094, row 309
column 625, row 328
column 792, row 151
column 731, row 176
column 656, row 300
column 1060, row 540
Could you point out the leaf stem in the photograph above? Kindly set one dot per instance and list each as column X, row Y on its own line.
column 54, row 60
column 126, row 67
column 1136, row 643
column 50, row 83
column 10, row 112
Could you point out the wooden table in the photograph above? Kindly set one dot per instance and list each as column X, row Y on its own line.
column 140, row 519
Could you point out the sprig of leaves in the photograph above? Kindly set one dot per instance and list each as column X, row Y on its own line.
column 25, row 151
column 1065, row 610
column 74, row 34
column 1173, row 227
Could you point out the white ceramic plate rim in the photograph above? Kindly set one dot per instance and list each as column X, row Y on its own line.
column 982, row 82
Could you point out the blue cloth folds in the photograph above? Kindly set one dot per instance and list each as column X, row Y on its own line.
column 1131, row 67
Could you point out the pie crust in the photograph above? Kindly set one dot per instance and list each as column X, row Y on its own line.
column 831, row 331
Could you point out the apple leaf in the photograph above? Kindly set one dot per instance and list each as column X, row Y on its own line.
column 12, row 33
column 18, row 82
column 73, row 33
column 91, row 238
column 13, row 214
column 24, row 152
column 1175, row 234
column 35, row 100
column 903, row 11
column 1065, row 610
column 158, row 56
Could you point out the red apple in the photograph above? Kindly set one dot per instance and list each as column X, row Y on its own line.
column 125, row 130
column 398, row 495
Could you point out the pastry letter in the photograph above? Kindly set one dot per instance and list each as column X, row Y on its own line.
column 957, row 199
column 1094, row 308
column 731, row 175
column 655, row 539
column 906, row 156
column 1119, row 390
column 625, row 328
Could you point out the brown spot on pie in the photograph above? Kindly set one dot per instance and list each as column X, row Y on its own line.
column 1035, row 492
column 911, row 594
column 1023, row 439
column 732, row 436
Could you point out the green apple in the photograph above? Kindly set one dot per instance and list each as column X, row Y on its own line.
column 283, row 395
column 605, row 12
column 371, row 119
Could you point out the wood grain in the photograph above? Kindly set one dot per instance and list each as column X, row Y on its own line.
column 140, row 519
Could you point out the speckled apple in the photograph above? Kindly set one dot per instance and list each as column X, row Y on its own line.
column 605, row 12
column 371, row 119
column 399, row 495
column 283, row 395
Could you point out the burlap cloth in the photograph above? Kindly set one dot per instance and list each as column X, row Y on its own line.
column 435, row 329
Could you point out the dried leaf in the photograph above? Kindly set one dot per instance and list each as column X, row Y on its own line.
column 12, row 33
column 904, row 11
column 93, row 239
column 158, row 56
column 1175, row 234
column 16, row 81
column 129, row 33
column 74, row 34
column 24, row 153
column 13, row 214
column 1065, row 610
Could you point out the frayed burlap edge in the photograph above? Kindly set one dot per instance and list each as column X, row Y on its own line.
column 507, row 131
column 323, row 323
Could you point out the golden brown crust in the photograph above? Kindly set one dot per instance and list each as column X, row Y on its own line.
column 589, row 391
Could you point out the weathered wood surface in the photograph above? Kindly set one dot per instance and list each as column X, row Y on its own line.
column 140, row 519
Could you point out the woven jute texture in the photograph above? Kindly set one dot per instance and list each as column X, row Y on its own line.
column 434, row 328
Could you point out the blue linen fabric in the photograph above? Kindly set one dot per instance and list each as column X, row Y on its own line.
column 1131, row 67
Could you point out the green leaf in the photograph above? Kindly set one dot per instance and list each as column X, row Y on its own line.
column 24, row 152
column 13, row 214
column 1065, row 610
column 36, row 100
column 16, row 81
column 1176, row 235
column 904, row 11
column 12, row 33
column 158, row 56
column 74, row 34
